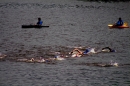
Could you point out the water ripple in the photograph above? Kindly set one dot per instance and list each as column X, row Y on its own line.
column 48, row 6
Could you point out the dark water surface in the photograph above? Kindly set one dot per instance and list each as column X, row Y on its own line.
column 72, row 23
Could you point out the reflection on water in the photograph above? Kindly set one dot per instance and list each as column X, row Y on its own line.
column 72, row 24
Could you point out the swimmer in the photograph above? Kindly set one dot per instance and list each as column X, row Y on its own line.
column 76, row 53
column 41, row 60
column 21, row 60
column 89, row 51
column 58, row 57
column 107, row 49
column 31, row 60
column 2, row 56
column 113, row 63
column 103, row 64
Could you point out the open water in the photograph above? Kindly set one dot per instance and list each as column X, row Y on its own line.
column 72, row 24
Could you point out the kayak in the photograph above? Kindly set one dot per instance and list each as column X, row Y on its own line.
column 33, row 26
column 119, row 27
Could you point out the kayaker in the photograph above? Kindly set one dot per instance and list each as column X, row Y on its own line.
column 39, row 22
column 120, row 22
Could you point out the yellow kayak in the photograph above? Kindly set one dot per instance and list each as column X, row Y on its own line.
column 125, row 25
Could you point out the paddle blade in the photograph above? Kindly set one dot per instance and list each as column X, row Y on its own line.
column 110, row 25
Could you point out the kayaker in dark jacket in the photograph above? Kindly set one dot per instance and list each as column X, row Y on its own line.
column 120, row 22
column 39, row 22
